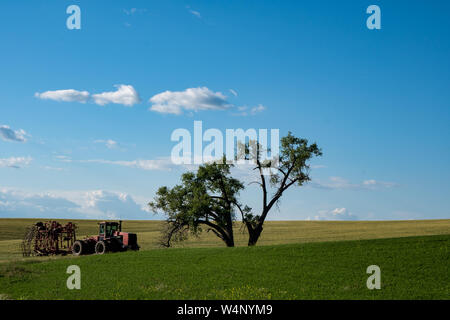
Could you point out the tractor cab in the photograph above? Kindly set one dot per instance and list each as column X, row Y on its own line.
column 109, row 229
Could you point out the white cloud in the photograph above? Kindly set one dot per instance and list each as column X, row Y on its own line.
column 192, row 99
column 14, row 203
column 69, row 95
column 50, row 168
column 110, row 144
column 318, row 166
column 341, row 183
column 8, row 134
column 64, row 158
column 113, row 205
column 246, row 111
column 233, row 92
column 97, row 204
column 195, row 13
column 159, row 164
column 130, row 12
column 259, row 108
column 144, row 164
column 125, row 94
column 374, row 183
column 337, row 214
column 334, row 183
column 15, row 162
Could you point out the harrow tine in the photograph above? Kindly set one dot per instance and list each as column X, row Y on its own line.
column 48, row 238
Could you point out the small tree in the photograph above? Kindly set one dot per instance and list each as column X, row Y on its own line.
column 206, row 198
column 292, row 169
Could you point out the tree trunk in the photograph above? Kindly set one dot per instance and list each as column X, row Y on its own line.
column 230, row 240
column 223, row 233
column 229, row 243
column 254, row 234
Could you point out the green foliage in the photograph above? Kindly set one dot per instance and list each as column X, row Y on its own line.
column 292, row 168
column 209, row 196
column 293, row 164
column 204, row 198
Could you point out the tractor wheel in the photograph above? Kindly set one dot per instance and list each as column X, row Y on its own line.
column 100, row 247
column 78, row 248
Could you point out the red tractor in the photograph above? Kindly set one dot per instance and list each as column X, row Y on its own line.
column 110, row 239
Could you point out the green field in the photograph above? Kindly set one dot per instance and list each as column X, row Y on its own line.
column 294, row 260
column 275, row 232
column 411, row 268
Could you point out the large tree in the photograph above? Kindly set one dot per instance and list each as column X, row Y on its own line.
column 292, row 169
column 206, row 198
column 209, row 197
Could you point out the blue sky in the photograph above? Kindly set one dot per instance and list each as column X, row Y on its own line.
column 376, row 101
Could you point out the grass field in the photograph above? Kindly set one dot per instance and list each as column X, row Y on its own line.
column 275, row 232
column 293, row 260
column 411, row 268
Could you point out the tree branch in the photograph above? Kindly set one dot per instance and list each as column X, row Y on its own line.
column 215, row 227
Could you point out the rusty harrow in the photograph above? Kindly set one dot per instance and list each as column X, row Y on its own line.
column 48, row 238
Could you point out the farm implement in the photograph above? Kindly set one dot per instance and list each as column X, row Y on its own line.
column 52, row 238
